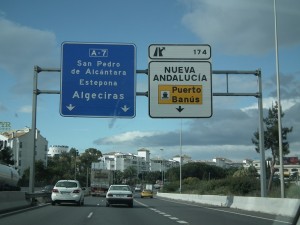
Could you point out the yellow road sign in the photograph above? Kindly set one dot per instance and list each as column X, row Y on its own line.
column 180, row 94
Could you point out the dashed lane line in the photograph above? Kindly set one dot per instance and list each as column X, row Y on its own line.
column 90, row 215
column 163, row 213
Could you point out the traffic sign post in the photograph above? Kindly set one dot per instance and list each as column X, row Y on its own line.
column 180, row 89
column 98, row 80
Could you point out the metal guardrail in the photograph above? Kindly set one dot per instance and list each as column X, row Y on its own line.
column 33, row 196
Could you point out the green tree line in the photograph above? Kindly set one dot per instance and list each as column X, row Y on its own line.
column 71, row 165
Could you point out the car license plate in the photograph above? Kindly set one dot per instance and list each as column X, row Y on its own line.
column 64, row 192
column 120, row 196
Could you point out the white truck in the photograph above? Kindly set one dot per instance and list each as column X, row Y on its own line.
column 101, row 179
column 149, row 187
column 9, row 178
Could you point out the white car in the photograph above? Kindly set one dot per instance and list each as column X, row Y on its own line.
column 119, row 195
column 67, row 191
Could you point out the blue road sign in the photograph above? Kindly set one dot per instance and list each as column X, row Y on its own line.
column 98, row 80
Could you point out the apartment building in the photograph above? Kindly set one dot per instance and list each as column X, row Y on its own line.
column 121, row 161
column 141, row 161
column 20, row 141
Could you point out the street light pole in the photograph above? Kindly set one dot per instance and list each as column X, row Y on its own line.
column 180, row 143
column 162, row 168
column 76, row 152
column 279, row 105
column 75, row 167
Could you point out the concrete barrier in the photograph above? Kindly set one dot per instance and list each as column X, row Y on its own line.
column 274, row 206
column 12, row 200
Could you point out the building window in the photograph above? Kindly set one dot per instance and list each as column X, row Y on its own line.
column 20, row 144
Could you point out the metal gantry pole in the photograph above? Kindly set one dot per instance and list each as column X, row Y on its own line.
column 261, row 139
column 33, row 130
column 258, row 95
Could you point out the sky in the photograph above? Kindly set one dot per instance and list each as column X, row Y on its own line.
column 241, row 35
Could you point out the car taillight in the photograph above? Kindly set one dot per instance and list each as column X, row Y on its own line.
column 76, row 191
column 55, row 190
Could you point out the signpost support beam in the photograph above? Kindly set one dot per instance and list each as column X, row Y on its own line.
column 33, row 130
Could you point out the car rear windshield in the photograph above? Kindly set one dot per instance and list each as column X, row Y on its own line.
column 120, row 188
column 66, row 184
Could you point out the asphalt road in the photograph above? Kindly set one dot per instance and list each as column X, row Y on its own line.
column 146, row 211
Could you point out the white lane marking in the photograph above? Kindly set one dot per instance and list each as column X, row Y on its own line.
column 220, row 210
column 173, row 218
column 90, row 215
column 163, row 213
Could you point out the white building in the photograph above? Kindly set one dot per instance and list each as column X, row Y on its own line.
column 121, row 161
column 57, row 150
column 184, row 159
column 141, row 161
column 226, row 163
column 21, row 143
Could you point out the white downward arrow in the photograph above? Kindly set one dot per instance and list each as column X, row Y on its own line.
column 70, row 107
column 124, row 108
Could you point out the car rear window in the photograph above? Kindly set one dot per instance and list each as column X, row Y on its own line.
column 66, row 184
column 120, row 188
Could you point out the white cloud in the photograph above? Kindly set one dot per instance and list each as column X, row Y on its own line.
column 126, row 137
column 26, row 109
column 242, row 26
column 268, row 102
column 21, row 48
column 227, row 134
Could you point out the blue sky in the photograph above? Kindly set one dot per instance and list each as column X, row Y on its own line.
column 241, row 36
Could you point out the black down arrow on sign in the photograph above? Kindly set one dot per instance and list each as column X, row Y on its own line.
column 180, row 108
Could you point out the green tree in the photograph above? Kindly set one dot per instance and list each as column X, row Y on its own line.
column 84, row 162
column 199, row 170
column 202, row 171
column 271, row 138
column 6, row 156
column 61, row 167
column 246, row 172
column 151, row 177
column 173, row 174
column 42, row 175
column 130, row 174
column 90, row 155
column 118, row 177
